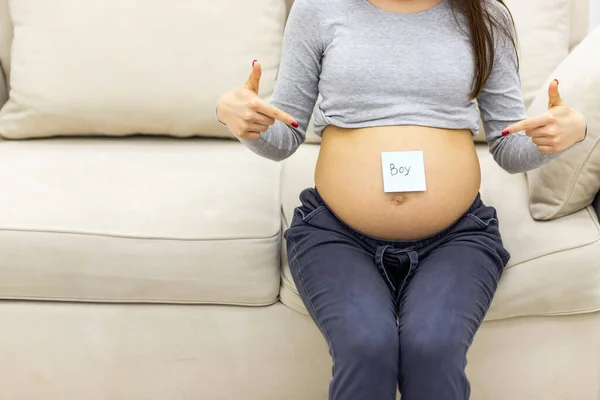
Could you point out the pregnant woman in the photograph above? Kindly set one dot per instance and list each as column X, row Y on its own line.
column 393, row 252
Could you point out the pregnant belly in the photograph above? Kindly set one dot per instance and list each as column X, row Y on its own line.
column 349, row 178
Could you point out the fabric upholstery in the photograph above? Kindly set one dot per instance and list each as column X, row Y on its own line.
column 570, row 183
column 157, row 70
column 98, row 352
column 554, row 265
column 142, row 220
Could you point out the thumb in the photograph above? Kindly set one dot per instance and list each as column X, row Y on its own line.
column 253, row 81
column 554, row 98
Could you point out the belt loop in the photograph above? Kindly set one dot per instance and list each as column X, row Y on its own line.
column 379, row 255
column 414, row 260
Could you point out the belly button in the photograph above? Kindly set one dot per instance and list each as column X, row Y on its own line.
column 399, row 199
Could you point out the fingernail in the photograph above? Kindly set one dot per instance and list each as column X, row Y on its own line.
column 505, row 133
column 557, row 82
column 294, row 124
column 254, row 62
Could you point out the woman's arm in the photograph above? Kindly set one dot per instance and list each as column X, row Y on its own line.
column 519, row 144
column 501, row 105
column 296, row 88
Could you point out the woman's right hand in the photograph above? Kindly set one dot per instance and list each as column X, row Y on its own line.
column 246, row 114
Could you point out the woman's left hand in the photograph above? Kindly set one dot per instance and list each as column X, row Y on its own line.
column 555, row 130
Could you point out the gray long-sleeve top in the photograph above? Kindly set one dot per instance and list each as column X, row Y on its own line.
column 374, row 67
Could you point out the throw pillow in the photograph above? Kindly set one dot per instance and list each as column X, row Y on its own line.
column 570, row 182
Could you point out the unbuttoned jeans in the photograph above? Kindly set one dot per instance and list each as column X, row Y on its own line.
column 396, row 314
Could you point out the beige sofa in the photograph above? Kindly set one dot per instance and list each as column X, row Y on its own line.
column 152, row 268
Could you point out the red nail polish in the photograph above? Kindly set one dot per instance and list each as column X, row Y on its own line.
column 254, row 62
column 557, row 82
column 295, row 124
column 505, row 133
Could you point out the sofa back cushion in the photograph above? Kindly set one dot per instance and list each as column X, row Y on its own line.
column 119, row 67
column 544, row 29
column 226, row 36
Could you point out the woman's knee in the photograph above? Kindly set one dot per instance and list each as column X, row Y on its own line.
column 367, row 344
column 439, row 346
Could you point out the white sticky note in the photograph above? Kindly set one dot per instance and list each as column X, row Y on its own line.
column 403, row 171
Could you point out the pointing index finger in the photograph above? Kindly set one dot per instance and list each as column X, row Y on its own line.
column 269, row 110
column 527, row 124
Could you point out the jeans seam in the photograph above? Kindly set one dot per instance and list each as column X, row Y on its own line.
column 387, row 278
column 308, row 297
column 479, row 323
column 504, row 259
column 480, row 221
column 311, row 214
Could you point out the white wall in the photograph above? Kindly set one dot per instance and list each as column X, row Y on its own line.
column 594, row 13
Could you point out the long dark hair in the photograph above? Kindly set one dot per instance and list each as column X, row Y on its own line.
column 485, row 20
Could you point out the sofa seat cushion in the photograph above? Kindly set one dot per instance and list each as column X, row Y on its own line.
column 554, row 265
column 139, row 220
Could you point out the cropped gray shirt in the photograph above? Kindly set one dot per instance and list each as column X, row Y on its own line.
column 373, row 68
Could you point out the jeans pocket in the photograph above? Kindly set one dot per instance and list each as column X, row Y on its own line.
column 306, row 217
column 485, row 219
column 310, row 205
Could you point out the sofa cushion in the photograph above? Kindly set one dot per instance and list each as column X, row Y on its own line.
column 544, row 33
column 570, row 182
column 554, row 265
column 142, row 220
column 118, row 67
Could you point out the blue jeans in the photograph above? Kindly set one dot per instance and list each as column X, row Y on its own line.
column 396, row 314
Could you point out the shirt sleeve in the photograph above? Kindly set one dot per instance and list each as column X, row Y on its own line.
column 501, row 105
column 296, row 87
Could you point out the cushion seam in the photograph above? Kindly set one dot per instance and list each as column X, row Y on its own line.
column 581, row 311
column 115, row 236
column 134, row 301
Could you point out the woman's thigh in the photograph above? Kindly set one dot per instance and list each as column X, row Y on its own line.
column 349, row 300
column 455, row 282
column 444, row 304
column 338, row 279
